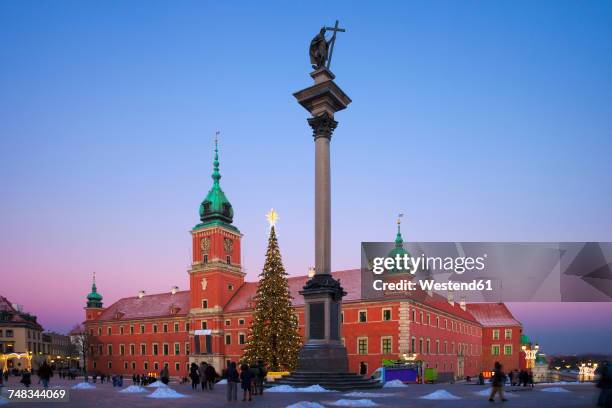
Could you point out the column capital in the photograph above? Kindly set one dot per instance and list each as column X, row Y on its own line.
column 322, row 125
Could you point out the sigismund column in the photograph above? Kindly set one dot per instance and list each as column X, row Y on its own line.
column 323, row 350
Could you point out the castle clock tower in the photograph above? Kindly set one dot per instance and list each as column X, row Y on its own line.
column 215, row 274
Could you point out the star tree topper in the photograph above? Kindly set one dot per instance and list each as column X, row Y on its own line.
column 272, row 217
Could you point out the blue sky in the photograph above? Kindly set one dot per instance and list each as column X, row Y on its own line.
column 478, row 120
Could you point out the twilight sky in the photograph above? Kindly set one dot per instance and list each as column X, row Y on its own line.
column 481, row 121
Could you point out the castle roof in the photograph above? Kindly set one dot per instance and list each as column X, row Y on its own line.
column 158, row 305
column 168, row 304
column 492, row 314
column 11, row 316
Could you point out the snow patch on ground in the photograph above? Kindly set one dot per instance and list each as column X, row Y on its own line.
column 359, row 394
column 165, row 392
column 133, row 389
column 555, row 389
column 222, row 382
column 288, row 388
column 353, row 403
column 566, row 383
column 306, row 404
column 440, row 395
column 487, row 392
column 83, row 386
column 157, row 384
column 394, row 384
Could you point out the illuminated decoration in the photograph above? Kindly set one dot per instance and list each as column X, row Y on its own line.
column 272, row 217
column 311, row 272
column 4, row 358
column 409, row 356
column 530, row 354
column 587, row 371
column 273, row 335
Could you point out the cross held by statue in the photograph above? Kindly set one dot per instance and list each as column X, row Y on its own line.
column 332, row 41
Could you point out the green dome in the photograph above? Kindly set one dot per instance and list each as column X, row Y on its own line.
column 216, row 208
column 525, row 339
column 94, row 299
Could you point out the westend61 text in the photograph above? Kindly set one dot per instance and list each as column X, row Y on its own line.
column 407, row 285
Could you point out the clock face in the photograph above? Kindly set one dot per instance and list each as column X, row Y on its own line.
column 228, row 245
column 205, row 244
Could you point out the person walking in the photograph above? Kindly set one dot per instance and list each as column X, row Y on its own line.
column 261, row 376
column 26, row 378
column 255, row 371
column 605, row 385
column 497, row 383
column 203, row 367
column 210, row 375
column 233, row 378
column 194, row 374
column 165, row 375
column 44, row 373
column 246, row 380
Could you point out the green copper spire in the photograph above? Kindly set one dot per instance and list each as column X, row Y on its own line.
column 216, row 208
column 399, row 245
column 94, row 299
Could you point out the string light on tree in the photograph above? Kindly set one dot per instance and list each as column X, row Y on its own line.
column 273, row 335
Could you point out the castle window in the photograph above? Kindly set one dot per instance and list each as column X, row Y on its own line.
column 386, row 314
column 241, row 338
column 362, row 345
column 156, row 366
column 228, row 339
column 110, row 364
column 206, row 207
column 177, row 366
column 110, row 349
column 176, row 327
column 496, row 334
column 121, row 350
column 132, row 349
column 121, row 329
column 241, row 322
column 228, row 260
column 363, row 316
column 187, row 327
column 205, row 260
column 228, row 322
column 177, row 349
column 142, row 328
column 385, row 345
column 125, row 365
column 154, row 328
column 495, row 350
column 133, row 365
column 166, row 349
column 145, row 365
column 204, row 304
column 230, row 287
column 155, row 349
column 508, row 349
column 165, row 328
column 508, row 334
column 132, row 329
column 108, row 331
column 204, row 325
column 413, row 345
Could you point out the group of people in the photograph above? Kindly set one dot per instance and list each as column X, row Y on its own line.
column 44, row 372
column 204, row 374
column 522, row 377
column 138, row 379
column 251, row 379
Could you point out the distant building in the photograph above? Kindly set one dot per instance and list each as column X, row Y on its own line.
column 21, row 340
column 60, row 350
column 210, row 321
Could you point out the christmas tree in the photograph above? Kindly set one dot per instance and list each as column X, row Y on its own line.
column 273, row 334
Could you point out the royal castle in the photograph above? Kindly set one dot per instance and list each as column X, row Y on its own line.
column 210, row 321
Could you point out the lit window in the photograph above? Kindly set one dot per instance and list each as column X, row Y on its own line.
column 496, row 334
column 508, row 349
column 508, row 334
column 495, row 350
